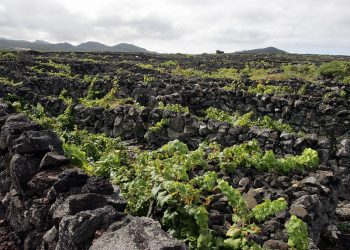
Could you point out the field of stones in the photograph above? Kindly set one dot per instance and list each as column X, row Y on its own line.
column 154, row 151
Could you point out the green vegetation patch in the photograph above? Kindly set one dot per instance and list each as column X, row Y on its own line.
column 308, row 72
column 268, row 208
column 145, row 66
column 4, row 55
column 250, row 155
column 247, row 120
column 169, row 64
column 159, row 125
column 224, row 73
column 97, row 154
column 148, row 79
column 164, row 178
column 336, row 70
column 53, row 69
column 297, row 234
column 9, row 82
column 269, row 89
column 173, row 107
column 109, row 101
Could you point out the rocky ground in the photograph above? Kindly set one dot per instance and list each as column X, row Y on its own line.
column 48, row 203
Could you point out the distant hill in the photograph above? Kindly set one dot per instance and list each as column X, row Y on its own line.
column 126, row 47
column 268, row 50
column 6, row 44
column 92, row 46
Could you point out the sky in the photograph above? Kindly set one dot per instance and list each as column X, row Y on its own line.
column 185, row 26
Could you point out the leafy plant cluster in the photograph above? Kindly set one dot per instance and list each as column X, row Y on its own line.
column 9, row 82
column 269, row 89
column 53, row 69
column 190, row 72
column 173, row 107
column 90, row 60
column 258, row 74
column 247, row 120
column 344, row 226
column 4, row 55
column 237, row 85
column 37, row 113
column 96, row 153
column 333, row 93
column 91, row 80
column 164, row 179
column 109, row 101
column 265, row 88
column 297, row 234
column 148, row 79
column 336, row 70
column 268, row 208
column 223, row 73
column 159, row 125
column 169, row 64
column 308, row 72
column 250, row 154
column 268, row 122
column 145, row 66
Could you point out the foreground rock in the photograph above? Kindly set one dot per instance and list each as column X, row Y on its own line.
column 136, row 233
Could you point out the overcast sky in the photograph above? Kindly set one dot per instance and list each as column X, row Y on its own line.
column 187, row 26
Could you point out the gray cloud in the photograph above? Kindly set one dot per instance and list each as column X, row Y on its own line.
column 149, row 27
column 311, row 26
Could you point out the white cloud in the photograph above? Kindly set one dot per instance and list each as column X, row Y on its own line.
column 310, row 26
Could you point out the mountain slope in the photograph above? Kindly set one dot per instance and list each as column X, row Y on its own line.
column 267, row 50
column 92, row 46
column 126, row 47
column 6, row 44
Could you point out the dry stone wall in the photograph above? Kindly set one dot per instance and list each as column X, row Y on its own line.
column 46, row 203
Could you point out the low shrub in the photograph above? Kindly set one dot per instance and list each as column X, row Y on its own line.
column 336, row 70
